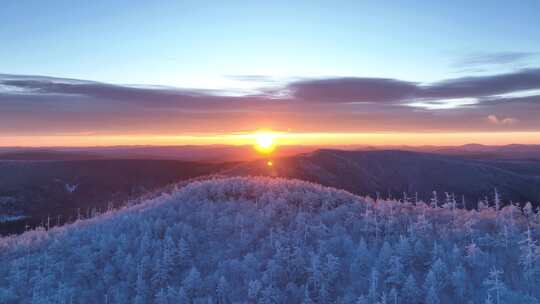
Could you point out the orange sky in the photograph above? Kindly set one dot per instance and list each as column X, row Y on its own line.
column 281, row 138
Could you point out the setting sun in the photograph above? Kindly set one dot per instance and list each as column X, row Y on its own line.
column 265, row 142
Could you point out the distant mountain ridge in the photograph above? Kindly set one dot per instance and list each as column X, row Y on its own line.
column 203, row 153
column 224, row 153
column 390, row 173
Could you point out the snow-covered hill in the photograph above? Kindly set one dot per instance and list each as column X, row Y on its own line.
column 263, row 240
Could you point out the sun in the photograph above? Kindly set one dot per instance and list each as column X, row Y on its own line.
column 265, row 142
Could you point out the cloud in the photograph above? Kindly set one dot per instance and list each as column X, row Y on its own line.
column 353, row 89
column 47, row 104
column 356, row 89
column 444, row 104
column 480, row 86
column 501, row 121
column 49, row 85
column 328, row 90
column 500, row 58
column 253, row 78
column 77, row 91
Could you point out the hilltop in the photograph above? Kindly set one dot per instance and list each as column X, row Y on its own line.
column 264, row 240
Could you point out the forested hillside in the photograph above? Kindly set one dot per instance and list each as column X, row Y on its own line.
column 34, row 193
column 263, row 240
column 394, row 173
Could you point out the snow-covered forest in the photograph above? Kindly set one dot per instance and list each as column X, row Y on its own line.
column 263, row 240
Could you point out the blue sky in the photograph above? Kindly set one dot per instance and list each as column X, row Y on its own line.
column 134, row 68
column 199, row 43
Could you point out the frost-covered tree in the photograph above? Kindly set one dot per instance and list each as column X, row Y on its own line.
column 393, row 296
column 530, row 257
column 141, row 295
column 192, row 282
column 254, row 289
column 497, row 200
column 434, row 202
column 432, row 296
column 161, row 297
column 459, row 281
column 362, row 300
column 495, row 284
column 395, row 272
column 410, row 291
column 222, row 291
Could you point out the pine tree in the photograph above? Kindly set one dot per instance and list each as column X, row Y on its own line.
column 362, row 300
column 222, row 291
column 384, row 255
column 360, row 265
column 393, row 296
column 182, row 296
column 437, row 276
column 172, row 294
column 455, row 255
column 307, row 297
column 495, row 284
column 410, row 291
column 394, row 273
column 434, row 202
column 405, row 251
column 432, row 297
column 497, row 200
column 430, row 282
column 141, row 288
column 529, row 257
column 373, row 286
column 296, row 269
column 253, row 289
column 170, row 257
column 528, row 211
column 192, row 282
column 270, row 295
column 324, row 294
column 474, row 255
column 161, row 297
column 185, row 255
column 160, row 274
column 382, row 299
column 420, row 252
column 332, row 267
column 459, row 281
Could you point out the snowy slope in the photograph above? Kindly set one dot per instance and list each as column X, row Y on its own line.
column 262, row 240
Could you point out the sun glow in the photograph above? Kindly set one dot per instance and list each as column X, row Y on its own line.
column 276, row 138
column 265, row 142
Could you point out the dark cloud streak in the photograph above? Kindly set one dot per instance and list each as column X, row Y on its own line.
column 501, row 58
column 480, row 86
column 353, row 90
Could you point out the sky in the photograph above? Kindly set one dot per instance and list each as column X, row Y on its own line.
column 335, row 72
